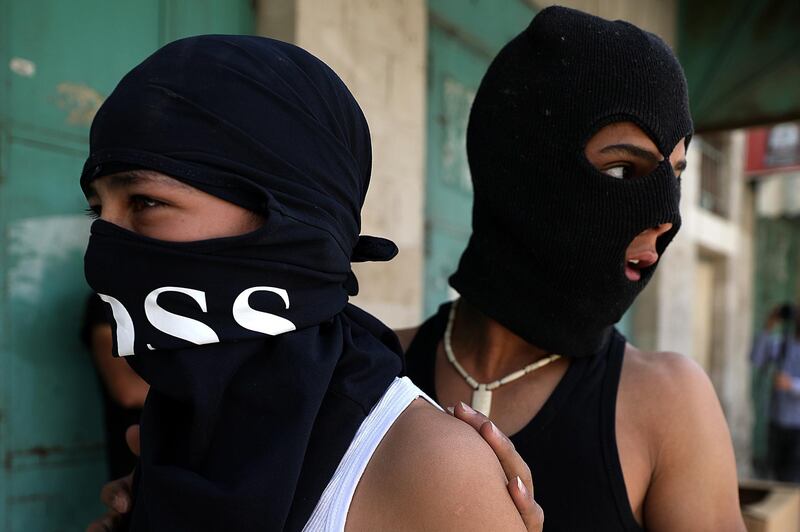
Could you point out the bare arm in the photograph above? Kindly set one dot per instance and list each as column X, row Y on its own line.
column 116, row 495
column 518, row 474
column 433, row 472
column 694, row 484
column 123, row 384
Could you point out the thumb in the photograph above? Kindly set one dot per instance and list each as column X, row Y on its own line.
column 132, row 438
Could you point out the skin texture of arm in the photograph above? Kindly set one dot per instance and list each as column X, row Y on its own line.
column 116, row 495
column 444, row 477
column 123, row 384
column 692, row 480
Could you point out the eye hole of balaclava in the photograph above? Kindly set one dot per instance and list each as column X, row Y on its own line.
column 626, row 164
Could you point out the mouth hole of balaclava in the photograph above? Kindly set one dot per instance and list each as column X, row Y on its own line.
column 636, row 134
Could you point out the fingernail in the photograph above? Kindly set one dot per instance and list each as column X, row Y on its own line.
column 468, row 409
column 451, row 410
column 521, row 487
column 496, row 431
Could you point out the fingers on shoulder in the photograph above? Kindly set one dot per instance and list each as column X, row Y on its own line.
column 456, row 481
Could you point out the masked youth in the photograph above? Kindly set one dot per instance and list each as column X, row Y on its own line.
column 227, row 175
column 576, row 143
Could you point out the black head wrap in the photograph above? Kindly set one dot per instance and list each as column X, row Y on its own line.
column 260, row 370
column 547, row 254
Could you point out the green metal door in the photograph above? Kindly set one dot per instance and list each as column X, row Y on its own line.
column 59, row 59
column 463, row 39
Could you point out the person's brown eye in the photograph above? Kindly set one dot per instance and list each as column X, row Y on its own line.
column 140, row 203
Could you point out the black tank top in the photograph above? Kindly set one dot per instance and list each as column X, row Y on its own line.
column 570, row 445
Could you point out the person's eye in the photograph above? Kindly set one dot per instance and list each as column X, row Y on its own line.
column 619, row 172
column 141, row 203
column 93, row 211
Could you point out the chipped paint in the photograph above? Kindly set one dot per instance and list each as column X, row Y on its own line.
column 35, row 244
column 38, row 456
column 80, row 101
column 22, row 67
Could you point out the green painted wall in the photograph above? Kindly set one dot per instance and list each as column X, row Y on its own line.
column 462, row 40
column 59, row 59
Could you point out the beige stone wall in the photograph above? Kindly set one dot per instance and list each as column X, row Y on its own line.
column 656, row 16
column 379, row 49
column 734, row 373
column 666, row 316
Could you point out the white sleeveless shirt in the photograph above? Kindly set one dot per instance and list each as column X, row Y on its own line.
column 330, row 513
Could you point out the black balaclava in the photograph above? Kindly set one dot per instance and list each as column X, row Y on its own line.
column 260, row 371
column 546, row 257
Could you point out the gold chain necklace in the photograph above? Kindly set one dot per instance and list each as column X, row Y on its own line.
column 482, row 393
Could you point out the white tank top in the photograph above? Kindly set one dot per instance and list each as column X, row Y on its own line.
column 330, row 513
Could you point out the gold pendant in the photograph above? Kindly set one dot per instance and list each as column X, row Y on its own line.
column 482, row 400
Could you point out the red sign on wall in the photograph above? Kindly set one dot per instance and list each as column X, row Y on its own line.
column 773, row 149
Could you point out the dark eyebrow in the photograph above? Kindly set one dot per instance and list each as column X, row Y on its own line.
column 127, row 179
column 630, row 149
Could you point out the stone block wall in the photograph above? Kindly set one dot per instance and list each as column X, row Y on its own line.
column 379, row 49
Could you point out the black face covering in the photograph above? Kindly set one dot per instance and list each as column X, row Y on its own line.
column 547, row 254
column 260, row 371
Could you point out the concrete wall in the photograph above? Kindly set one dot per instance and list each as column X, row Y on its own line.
column 379, row 50
column 731, row 374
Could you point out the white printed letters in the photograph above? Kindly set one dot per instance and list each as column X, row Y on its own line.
column 192, row 330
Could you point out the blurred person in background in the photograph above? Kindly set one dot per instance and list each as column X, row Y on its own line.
column 123, row 391
column 776, row 350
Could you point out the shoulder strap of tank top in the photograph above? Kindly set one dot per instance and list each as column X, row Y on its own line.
column 330, row 514
column 421, row 353
column 616, row 354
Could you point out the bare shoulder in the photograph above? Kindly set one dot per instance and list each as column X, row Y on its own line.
column 669, row 400
column 669, row 381
column 432, row 472
column 406, row 336
column 663, row 368
column 671, row 394
column 693, row 481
